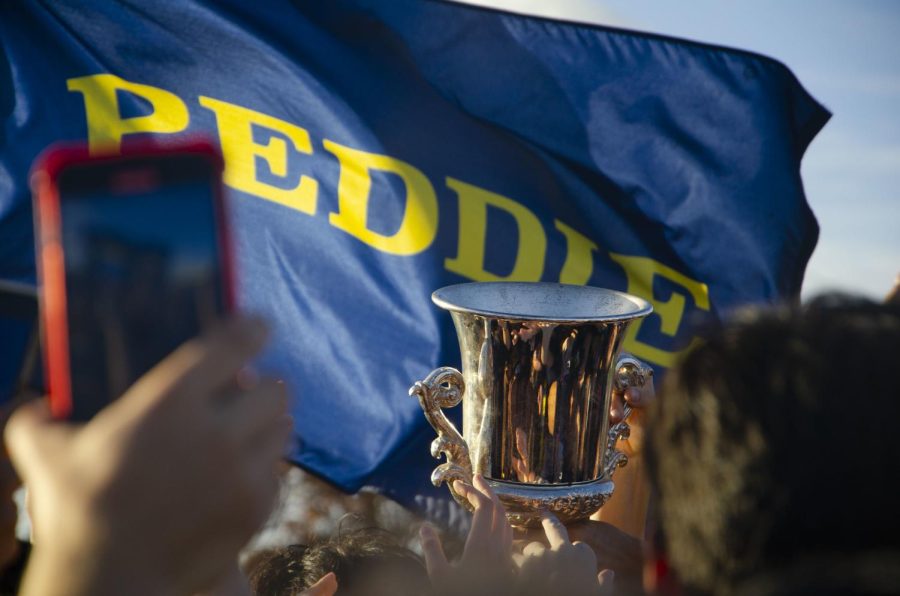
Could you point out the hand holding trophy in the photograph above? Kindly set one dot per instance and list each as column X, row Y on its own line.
column 539, row 362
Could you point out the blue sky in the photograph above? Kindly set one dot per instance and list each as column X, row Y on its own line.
column 847, row 54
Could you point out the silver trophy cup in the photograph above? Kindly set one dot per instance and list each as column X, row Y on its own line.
column 539, row 362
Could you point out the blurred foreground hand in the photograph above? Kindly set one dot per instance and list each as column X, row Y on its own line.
column 157, row 493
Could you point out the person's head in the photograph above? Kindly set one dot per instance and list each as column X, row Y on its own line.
column 366, row 561
column 778, row 440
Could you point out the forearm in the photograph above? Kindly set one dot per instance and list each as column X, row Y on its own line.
column 627, row 509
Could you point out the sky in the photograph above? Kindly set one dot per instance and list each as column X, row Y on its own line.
column 847, row 55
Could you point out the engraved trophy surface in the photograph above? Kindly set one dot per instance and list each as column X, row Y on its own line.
column 539, row 362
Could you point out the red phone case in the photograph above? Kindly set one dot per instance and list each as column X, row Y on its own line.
column 51, row 258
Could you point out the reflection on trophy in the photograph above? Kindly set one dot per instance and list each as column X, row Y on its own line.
column 539, row 362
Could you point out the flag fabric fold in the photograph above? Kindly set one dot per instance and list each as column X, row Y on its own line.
column 376, row 151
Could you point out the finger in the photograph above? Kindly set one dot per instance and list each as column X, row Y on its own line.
column 535, row 568
column 326, row 586
column 260, row 438
column 519, row 559
column 534, row 549
column 556, row 532
column 247, row 378
column 258, row 476
column 435, row 560
column 485, row 489
column 261, row 457
column 641, row 397
column 482, row 519
column 256, row 411
column 585, row 554
column 33, row 437
column 616, row 407
column 202, row 365
column 265, row 454
column 479, row 501
column 274, row 443
column 501, row 531
column 224, row 353
column 634, row 397
column 606, row 578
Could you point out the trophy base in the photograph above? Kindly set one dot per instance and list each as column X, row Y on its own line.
column 569, row 502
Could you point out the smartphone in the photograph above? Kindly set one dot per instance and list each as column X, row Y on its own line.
column 133, row 260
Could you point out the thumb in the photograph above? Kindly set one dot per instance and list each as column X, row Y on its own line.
column 326, row 586
column 435, row 559
column 606, row 578
column 33, row 436
column 616, row 407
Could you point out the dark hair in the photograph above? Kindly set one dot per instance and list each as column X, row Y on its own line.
column 278, row 571
column 366, row 561
column 777, row 439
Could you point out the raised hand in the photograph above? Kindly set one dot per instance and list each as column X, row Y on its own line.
column 639, row 398
column 159, row 491
column 627, row 510
column 486, row 564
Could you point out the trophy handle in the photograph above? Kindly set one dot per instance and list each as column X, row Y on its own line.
column 630, row 372
column 444, row 388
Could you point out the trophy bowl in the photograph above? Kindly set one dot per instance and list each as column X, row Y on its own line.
column 539, row 363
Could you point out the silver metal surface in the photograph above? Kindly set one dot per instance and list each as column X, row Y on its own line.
column 542, row 302
column 443, row 388
column 539, row 362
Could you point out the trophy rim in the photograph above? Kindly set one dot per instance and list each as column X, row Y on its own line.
column 460, row 298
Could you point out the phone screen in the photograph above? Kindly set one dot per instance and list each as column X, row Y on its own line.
column 143, row 269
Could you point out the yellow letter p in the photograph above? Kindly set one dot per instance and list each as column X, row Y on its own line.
column 105, row 124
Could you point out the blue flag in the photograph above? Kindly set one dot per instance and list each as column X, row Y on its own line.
column 378, row 150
